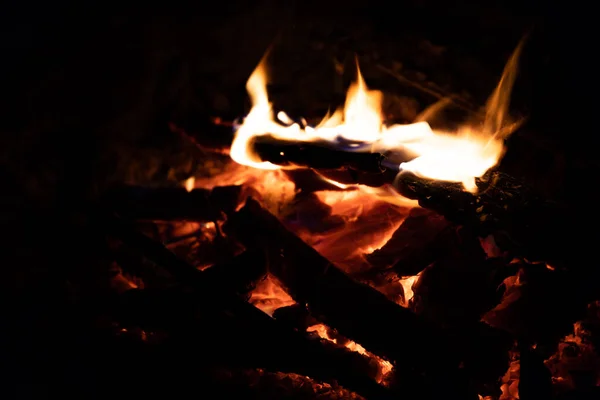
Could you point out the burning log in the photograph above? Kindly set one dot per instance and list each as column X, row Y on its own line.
column 340, row 302
column 143, row 203
column 413, row 246
column 265, row 343
column 520, row 219
column 315, row 155
column 345, row 164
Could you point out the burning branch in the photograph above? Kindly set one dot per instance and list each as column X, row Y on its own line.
column 264, row 343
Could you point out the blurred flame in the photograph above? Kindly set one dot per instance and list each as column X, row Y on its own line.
column 385, row 367
column 190, row 183
column 459, row 156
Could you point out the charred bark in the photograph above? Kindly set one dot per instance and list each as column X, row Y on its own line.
column 522, row 221
column 143, row 203
column 263, row 344
column 333, row 297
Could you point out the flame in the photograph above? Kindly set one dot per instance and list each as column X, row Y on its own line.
column 268, row 296
column 459, row 156
column 385, row 367
column 407, row 283
column 190, row 183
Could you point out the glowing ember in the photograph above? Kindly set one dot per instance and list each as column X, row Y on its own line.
column 459, row 156
column 407, row 283
column 576, row 354
column 268, row 296
column 385, row 367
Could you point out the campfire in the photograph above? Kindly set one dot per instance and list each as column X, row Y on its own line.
column 353, row 257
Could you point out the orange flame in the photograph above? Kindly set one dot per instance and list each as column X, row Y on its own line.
column 459, row 156
column 268, row 296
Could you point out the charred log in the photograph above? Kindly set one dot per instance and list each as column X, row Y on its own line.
column 535, row 380
column 315, row 155
column 295, row 316
column 264, row 343
column 521, row 220
column 239, row 274
column 340, row 302
column 143, row 203
column 413, row 246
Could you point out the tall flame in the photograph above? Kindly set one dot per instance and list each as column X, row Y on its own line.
column 459, row 156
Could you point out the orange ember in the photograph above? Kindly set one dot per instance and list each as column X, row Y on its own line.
column 385, row 367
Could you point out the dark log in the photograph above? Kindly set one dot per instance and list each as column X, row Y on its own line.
column 239, row 274
column 144, row 203
column 521, row 220
column 295, row 316
column 357, row 311
column 315, row 155
column 461, row 273
column 263, row 342
column 535, row 380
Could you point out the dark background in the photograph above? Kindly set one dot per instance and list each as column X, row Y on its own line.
column 86, row 96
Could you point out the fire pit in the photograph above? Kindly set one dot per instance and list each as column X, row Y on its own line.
column 370, row 252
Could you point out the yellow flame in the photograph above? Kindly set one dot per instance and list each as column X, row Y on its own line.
column 459, row 156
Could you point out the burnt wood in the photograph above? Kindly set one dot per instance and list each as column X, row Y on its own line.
column 234, row 329
column 146, row 203
column 521, row 220
column 363, row 314
column 315, row 155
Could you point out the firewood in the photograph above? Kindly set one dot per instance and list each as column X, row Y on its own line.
column 144, row 203
column 239, row 274
column 233, row 329
column 521, row 220
column 295, row 316
column 357, row 311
